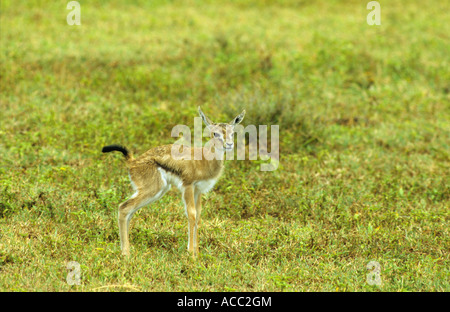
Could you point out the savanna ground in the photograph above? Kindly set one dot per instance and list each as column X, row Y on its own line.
column 364, row 144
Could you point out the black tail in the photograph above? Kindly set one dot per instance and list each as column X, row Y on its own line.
column 119, row 148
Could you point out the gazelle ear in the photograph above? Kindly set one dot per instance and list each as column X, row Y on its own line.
column 206, row 120
column 238, row 118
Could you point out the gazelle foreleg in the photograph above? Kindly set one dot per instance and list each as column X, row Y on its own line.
column 189, row 201
column 198, row 209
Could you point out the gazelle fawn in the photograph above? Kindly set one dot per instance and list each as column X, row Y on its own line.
column 153, row 173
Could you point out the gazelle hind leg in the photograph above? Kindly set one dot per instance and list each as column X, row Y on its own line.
column 126, row 210
column 142, row 197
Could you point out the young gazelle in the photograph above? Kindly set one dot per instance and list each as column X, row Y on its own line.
column 153, row 173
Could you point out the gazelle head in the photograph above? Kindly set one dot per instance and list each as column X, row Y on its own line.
column 222, row 133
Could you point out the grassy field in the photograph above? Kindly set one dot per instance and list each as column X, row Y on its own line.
column 364, row 123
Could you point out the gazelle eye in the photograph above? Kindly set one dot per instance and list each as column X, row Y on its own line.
column 216, row 135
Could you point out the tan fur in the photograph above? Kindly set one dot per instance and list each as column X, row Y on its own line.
column 153, row 173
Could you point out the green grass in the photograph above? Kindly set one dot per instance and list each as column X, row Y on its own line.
column 364, row 153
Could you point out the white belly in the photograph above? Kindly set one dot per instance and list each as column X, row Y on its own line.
column 202, row 186
column 205, row 186
column 171, row 179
